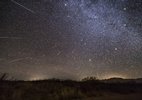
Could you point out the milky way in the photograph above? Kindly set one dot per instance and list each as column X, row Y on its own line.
column 71, row 39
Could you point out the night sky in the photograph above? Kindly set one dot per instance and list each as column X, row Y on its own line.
column 71, row 39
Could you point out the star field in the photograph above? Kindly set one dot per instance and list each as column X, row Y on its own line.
column 71, row 39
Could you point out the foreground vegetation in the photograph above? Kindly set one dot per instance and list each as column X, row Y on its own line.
column 55, row 89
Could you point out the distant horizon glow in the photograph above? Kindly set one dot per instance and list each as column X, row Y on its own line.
column 38, row 77
column 114, row 76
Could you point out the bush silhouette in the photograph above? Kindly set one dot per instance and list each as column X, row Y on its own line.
column 89, row 78
column 3, row 77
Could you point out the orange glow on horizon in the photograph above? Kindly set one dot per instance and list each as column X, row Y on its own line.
column 114, row 76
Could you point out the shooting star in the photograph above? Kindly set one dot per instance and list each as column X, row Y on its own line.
column 16, row 38
column 58, row 53
column 98, row 76
column 22, row 6
column 15, row 60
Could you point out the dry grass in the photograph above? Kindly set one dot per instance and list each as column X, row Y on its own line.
column 67, row 90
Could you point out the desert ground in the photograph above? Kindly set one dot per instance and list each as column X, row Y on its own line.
column 56, row 89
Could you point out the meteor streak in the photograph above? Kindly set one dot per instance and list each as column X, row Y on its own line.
column 98, row 76
column 15, row 60
column 22, row 6
column 16, row 38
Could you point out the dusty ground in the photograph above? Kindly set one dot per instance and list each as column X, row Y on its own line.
column 69, row 90
column 117, row 97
